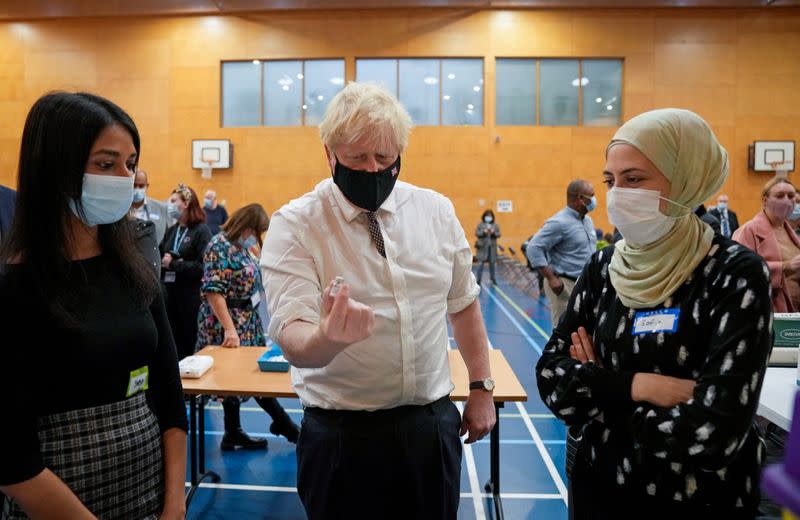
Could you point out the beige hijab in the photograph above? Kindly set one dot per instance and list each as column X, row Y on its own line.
column 684, row 149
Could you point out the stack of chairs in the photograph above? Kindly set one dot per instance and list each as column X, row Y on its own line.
column 514, row 270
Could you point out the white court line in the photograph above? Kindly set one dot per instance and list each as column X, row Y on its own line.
column 281, row 489
column 537, row 439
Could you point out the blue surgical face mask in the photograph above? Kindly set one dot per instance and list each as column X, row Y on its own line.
column 795, row 214
column 488, row 220
column 105, row 199
column 173, row 211
column 591, row 204
column 138, row 195
column 208, row 203
column 248, row 242
column 722, row 206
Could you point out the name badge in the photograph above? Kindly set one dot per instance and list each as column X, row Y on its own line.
column 169, row 277
column 664, row 320
column 138, row 381
column 255, row 299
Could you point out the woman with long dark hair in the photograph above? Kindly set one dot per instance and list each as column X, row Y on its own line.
column 95, row 422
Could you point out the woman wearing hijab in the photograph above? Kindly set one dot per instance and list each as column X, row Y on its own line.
column 770, row 234
column 660, row 356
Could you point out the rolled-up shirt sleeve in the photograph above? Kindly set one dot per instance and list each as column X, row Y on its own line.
column 463, row 288
column 290, row 277
column 542, row 242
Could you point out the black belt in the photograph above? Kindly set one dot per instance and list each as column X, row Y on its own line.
column 568, row 277
column 239, row 303
column 377, row 417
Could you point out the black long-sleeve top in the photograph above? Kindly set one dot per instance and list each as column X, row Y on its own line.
column 702, row 453
column 47, row 368
column 190, row 243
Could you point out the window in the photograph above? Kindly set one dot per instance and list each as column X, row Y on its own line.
column 278, row 93
column 241, row 82
column 602, row 93
column 515, row 83
column 563, row 92
column 434, row 91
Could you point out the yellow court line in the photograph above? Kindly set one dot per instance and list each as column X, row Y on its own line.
column 522, row 313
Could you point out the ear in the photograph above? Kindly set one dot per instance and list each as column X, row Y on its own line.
column 331, row 158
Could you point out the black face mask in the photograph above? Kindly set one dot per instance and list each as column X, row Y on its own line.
column 365, row 189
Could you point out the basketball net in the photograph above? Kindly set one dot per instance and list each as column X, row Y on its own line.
column 205, row 171
column 780, row 167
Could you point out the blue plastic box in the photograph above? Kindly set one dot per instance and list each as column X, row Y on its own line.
column 272, row 360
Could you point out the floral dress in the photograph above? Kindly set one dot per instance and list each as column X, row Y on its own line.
column 231, row 271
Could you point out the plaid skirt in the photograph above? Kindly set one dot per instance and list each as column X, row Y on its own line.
column 110, row 456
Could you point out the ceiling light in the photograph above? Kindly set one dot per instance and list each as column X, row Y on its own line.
column 476, row 88
column 337, row 81
column 610, row 107
column 430, row 80
column 285, row 87
column 470, row 106
column 582, row 81
column 451, row 76
column 320, row 98
column 256, row 62
column 299, row 76
column 599, row 100
column 446, row 97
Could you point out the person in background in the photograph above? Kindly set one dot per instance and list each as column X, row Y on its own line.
column 707, row 217
column 728, row 222
column 380, row 436
column 661, row 354
column 182, row 266
column 149, row 209
column 229, row 314
column 771, row 236
column 563, row 246
column 487, row 232
column 95, row 426
column 216, row 214
column 601, row 241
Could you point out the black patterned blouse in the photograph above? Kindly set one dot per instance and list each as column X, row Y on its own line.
column 704, row 453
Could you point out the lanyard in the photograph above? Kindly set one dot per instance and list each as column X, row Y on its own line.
column 179, row 238
column 146, row 212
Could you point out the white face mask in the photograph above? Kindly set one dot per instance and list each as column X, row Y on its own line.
column 636, row 215
column 104, row 198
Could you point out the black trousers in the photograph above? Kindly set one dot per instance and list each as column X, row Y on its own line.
column 183, row 304
column 399, row 463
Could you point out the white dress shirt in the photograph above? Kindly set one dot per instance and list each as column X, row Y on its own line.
column 425, row 275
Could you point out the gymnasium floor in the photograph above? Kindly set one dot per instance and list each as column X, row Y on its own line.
column 260, row 484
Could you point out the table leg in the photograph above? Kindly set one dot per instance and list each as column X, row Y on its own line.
column 493, row 486
column 197, row 423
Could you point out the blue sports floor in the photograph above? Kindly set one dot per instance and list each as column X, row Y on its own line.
column 261, row 484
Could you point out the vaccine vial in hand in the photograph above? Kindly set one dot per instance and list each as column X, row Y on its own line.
column 337, row 283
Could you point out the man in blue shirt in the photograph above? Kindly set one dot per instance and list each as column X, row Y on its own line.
column 563, row 246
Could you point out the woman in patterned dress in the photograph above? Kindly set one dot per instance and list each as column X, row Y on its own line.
column 659, row 360
column 229, row 314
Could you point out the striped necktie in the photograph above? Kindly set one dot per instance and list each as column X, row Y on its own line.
column 724, row 226
column 375, row 232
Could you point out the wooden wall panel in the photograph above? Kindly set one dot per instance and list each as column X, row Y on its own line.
column 737, row 68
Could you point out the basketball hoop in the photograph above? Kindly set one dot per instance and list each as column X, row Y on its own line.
column 780, row 168
column 205, row 171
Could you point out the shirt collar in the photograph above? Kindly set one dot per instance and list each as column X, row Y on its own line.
column 350, row 211
column 573, row 212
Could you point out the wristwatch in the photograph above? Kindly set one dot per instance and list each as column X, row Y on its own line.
column 483, row 384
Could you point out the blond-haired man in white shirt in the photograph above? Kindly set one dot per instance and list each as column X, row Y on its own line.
column 380, row 437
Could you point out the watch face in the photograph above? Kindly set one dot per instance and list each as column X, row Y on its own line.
column 488, row 384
